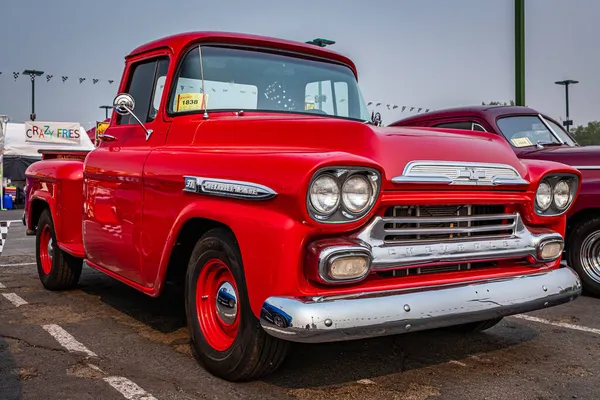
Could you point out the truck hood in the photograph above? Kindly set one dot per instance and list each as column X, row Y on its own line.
column 573, row 156
column 390, row 147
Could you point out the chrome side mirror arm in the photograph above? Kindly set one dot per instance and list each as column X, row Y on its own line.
column 124, row 104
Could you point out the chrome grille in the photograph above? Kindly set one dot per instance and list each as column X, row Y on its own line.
column 404, row 224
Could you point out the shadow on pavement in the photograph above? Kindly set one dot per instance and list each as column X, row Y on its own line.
column 165, row 314
column 10, row 384
column 336, row 363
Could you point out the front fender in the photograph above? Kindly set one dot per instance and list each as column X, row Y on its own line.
column 589, row 194
column 270, row 243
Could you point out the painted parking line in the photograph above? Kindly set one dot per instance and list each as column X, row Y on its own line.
column 558, row 324
column 66, row 340
column 128, row 389
column 15, row 299
column 2, row 286
column 17, row 264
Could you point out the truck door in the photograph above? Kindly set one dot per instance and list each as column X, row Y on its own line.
column 113, row 173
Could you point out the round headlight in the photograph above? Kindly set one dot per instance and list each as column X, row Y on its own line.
column 325, row 194
column 543, row 196
column 562, row 194
column 356, row 193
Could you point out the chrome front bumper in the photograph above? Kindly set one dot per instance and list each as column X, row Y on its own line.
column 348, row 317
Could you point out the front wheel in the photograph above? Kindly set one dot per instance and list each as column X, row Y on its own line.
column 57, row 269
column 583, row 252
column 225, row 335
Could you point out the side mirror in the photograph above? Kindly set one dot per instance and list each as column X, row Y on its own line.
column 123, row 103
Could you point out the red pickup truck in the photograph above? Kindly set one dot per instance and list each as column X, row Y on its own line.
column 247, row 169
column 535, row 136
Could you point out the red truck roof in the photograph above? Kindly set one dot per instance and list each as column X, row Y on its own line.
column 179, row 42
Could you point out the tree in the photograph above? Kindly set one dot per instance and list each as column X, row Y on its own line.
column 588, row 135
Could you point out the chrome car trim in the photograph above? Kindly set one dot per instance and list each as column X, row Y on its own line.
column 516, row 244
column 227, row 188
column 587, row 167
column 364, row 315
column 459, row 173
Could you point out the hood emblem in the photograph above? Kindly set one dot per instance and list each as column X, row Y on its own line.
column 471, row 174
column 459, row 173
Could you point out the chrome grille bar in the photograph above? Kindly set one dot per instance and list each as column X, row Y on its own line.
column 457, row 218
column 424, row 231
column 436, row 236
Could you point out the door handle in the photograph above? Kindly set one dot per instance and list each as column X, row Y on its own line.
column 108, row 138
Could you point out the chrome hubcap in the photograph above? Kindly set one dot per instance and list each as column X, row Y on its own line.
column 590, row 256
column 227, row 306
column 50, row 248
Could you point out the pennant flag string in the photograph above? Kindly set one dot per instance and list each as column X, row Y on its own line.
column 16, row 75
column 395, row 106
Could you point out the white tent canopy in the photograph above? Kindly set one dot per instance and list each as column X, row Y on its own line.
column 16, row 144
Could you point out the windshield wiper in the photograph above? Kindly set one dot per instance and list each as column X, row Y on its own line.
column 541, row 144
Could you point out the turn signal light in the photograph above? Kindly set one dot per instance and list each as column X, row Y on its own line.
column 349, row 267
column 550, row 251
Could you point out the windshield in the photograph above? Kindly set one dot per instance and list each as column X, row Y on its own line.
column 239, row 79
column 529, row 130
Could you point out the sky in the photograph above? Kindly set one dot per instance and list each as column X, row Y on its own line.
column 419, row 53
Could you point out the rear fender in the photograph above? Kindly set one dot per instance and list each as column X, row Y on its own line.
column 59, row 184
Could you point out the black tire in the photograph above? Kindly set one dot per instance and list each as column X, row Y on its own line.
column 578, row 254
column 253, row 352
column 475, row 326
column 65, row 269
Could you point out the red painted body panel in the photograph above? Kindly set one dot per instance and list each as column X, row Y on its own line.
column 128, row 200
column 586, row 156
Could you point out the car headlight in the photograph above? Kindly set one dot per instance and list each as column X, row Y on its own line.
column 356, row 193
column 555, row 194
column 342, row 194
column 543, row 196
column 562, row 194
column 325, row 194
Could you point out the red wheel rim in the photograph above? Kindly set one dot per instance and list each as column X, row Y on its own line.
column 217, row 304
column 46, row 249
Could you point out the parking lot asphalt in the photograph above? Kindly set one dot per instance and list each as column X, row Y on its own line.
column 105, row 340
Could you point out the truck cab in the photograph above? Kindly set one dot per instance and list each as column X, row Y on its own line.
column 534, row 135
column 246, row 169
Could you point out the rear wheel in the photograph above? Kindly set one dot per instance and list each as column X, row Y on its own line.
column 583, row 253
column 475, row 326
column 57, row 269
column 225, row 335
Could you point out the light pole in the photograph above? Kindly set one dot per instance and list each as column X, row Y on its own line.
column 106, row 108
column 321, row 43
column 32, row 74
column 567, row 123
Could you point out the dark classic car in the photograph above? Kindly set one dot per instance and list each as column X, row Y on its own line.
column 534, row 135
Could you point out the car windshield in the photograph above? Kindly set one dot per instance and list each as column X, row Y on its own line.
column 243, row 79
column 529, row 130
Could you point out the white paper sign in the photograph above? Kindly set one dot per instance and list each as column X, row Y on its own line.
column 53, row 132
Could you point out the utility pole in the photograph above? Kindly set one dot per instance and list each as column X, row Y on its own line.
column 520, row 52
column 106, row 108
column 32, row 73
column 321, row 43
column 567, row 123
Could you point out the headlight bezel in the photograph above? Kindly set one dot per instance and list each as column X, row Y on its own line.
column 552, row 180
column 341, row 174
